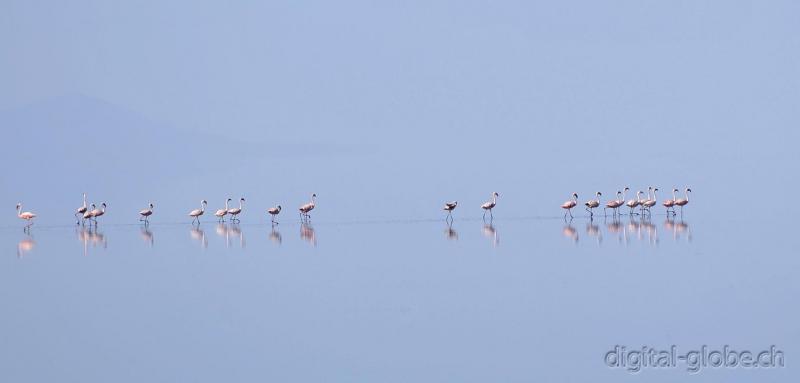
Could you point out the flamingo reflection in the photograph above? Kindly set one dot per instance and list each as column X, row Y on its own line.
column 308, row 234
column 25, row 246
column 147, row 235
column 593, row 230
column 451, row 233
column 275, row 235
column 570, row 232
column 489, row 231
column 199, row 235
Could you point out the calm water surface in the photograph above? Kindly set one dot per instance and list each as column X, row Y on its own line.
column 518, row 299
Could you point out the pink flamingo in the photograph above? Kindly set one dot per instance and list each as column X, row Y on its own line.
column 490, row 205
column 670, row 203
column 234, row 212
column 308, row 207
column 449, row 207
column 196, row 213
column 569, row 205
column 591, row 204
column 614, row 204
column 273, row 211
column 650, row 202
column 220, row 214
column 26, row 215
column 146, row 213
column 81, row 210
column 634, row 202
column 97, row 213
column 683, row 201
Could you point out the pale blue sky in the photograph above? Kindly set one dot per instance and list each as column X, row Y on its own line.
column 451, row 99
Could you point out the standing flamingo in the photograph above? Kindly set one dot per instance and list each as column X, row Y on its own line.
column 308, row 207
column 145, row 214
column 490, row 205
column 632, row 203
column 569, row 205
column 614, row 204
column 234, row 212
column 650, row 202
column 222, row 212
column 98, row 212
column 81, row 210
column 273, row 211
column 449, row 207
column 28, row 216
column 196, row 213
column 593, row 203
column 87, row 215
column 683, row 201
column 644, row 201
column 670, row 203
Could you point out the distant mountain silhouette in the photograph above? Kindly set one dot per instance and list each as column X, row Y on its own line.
column 76, row 143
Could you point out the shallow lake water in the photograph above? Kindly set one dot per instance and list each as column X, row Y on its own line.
column 515, row 299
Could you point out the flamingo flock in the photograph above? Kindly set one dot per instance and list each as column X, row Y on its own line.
column 643, row 203
column 90, row 212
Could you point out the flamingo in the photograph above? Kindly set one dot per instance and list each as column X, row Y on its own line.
column 146, row 213
column 632, row 203
column 273, row 211
column 642, row 202
column 490, row 205
column 670, row 203
column 593, row 203
column 614, row 203
column 234, row 212
column 449, row 207
column 650, row 202
column 222, row 212
column 196, row 213
column 88, row 213
column 81, row 210
column 308, row 207
column 683, row 201
column 98, row 212
column 570, row 204
column 26, row 215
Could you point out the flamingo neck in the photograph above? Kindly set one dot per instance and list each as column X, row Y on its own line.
column 687, row 195
column 240, row 204
column 673, row 195
column 226, row 204
column 84, row 199
column 494, row 199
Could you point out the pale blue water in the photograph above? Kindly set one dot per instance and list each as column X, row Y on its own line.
column 525, row 298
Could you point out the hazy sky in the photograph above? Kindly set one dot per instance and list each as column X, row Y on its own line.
column 442, row 96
